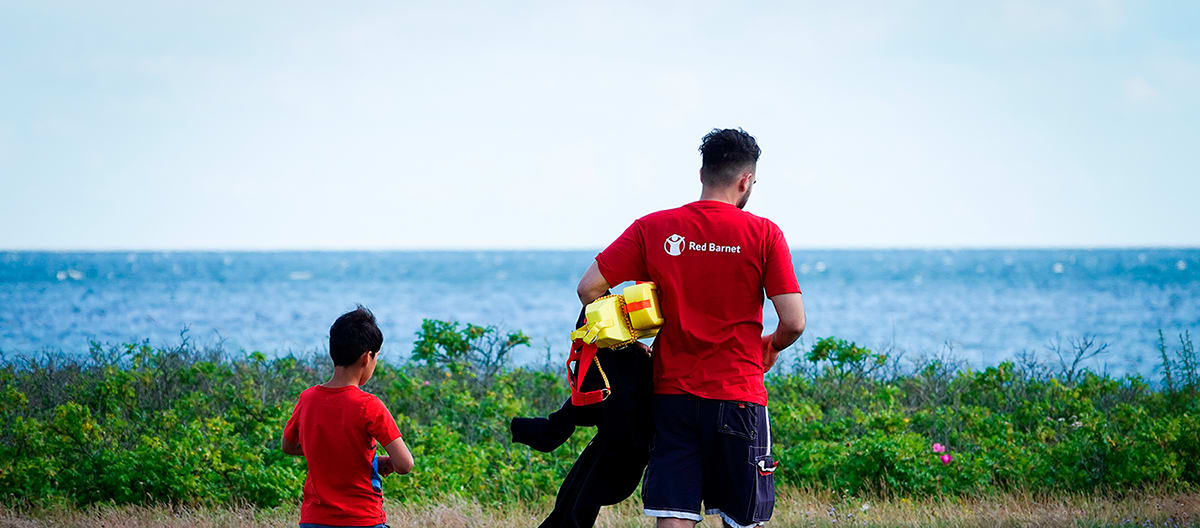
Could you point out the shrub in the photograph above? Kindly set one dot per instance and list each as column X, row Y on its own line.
column 138, row 424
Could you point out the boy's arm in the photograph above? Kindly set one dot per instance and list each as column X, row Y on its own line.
column 382, row 427
column 291, row 447
column 290, row 442
column 399, row 459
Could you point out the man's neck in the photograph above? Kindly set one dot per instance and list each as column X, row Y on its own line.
column 726, row 195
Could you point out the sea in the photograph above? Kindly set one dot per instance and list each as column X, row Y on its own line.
column 978, row 306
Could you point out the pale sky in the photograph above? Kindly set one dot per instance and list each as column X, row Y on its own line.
column 248, row 125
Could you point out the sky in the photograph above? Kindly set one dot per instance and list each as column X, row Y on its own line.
column 454, row 125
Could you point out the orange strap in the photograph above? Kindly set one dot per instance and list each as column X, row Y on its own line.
column 640, row 305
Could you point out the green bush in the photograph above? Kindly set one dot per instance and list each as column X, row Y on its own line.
column 137, row 424
column 850, row 419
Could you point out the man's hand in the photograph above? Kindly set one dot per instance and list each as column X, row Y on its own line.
column 385, row 466
column 770, row 354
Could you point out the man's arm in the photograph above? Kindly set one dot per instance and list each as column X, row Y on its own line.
column 291, row 448
column 790, row 307
column 399, row 459
column 593, row 285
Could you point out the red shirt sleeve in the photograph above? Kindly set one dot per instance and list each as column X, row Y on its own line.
column 291, row 431
column 624, row 259
column 380, row 424
column 778, row 275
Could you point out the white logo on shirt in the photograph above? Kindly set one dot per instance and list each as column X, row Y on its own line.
column 673, row 245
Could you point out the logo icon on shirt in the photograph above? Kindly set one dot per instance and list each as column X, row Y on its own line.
column 674, row 245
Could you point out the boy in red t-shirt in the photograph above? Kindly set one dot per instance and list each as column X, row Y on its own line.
column 335, row 426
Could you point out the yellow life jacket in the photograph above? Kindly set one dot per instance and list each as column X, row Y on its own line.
column 611, row 321
column 618, row 320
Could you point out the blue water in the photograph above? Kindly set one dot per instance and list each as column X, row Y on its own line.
column 985, row 305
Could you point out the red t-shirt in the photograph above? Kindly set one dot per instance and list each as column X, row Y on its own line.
column 337, row 429
column 711, row 262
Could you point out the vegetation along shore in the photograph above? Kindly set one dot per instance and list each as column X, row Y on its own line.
column 157, row 436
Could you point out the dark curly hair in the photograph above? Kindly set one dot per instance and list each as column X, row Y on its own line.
column 725, row 153
column 352, row 335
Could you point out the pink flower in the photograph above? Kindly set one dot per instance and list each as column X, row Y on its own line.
column 939, row 448
column 946, row 459
column 427, row 382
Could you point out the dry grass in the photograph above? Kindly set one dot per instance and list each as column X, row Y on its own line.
column 795, row 508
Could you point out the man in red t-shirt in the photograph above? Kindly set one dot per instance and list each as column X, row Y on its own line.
column 335, row 426
column 712, row 263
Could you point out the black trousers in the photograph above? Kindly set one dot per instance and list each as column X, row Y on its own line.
column 611, row 466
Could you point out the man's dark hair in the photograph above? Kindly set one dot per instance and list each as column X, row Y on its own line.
column 726, row 153
column 352, row 335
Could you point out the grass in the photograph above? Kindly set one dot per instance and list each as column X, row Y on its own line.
column 794, row 508
column 139, row 436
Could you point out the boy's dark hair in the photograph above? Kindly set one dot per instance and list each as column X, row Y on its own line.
column 725, row 153
column 352, row 335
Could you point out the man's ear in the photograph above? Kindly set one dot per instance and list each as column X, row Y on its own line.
column 744, row 181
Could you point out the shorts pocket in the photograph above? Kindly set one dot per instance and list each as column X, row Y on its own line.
column 738, row 419
column 764, row 488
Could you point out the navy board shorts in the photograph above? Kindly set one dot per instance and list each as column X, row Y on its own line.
column 713, row 452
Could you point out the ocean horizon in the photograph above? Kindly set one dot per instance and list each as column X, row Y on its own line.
column 980, row 305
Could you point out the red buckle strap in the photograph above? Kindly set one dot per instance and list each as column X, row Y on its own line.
column 581, row 357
